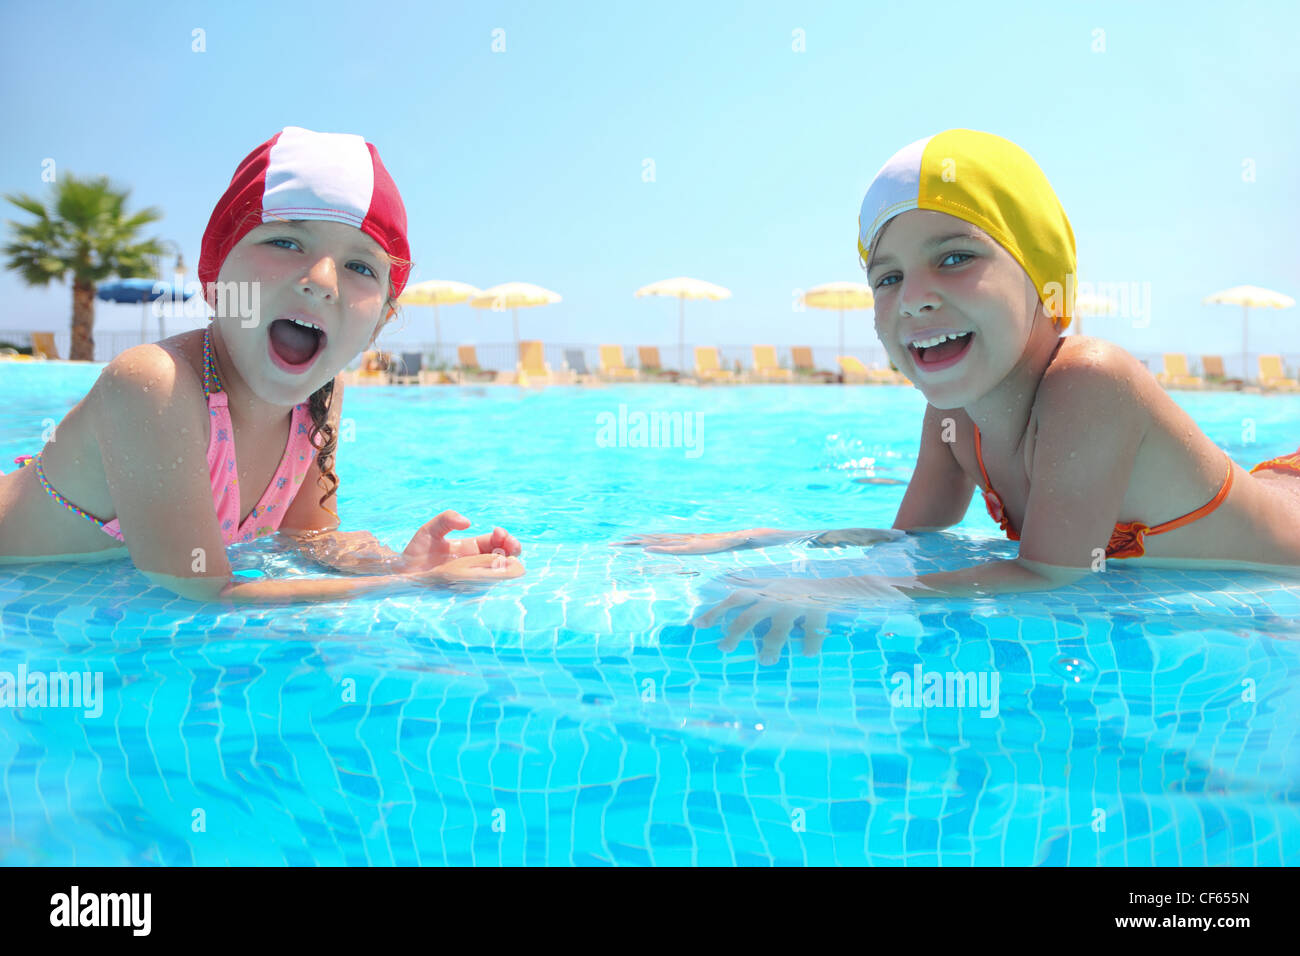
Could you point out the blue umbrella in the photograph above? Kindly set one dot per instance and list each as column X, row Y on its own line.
column 142, row 291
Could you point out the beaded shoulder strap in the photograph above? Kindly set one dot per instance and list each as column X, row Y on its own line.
column 209, row 367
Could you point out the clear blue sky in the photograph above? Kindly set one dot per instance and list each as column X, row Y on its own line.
column 527, row 164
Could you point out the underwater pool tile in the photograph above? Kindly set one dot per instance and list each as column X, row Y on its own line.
column 240, row 713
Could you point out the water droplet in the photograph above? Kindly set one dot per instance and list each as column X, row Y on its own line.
column 1074, row 669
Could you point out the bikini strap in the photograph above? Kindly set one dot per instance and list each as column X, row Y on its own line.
column 979, row 458
column 1200, row 512
column 209, row 366
column 68, row 505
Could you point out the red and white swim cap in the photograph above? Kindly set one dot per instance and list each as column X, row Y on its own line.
column 301, row 174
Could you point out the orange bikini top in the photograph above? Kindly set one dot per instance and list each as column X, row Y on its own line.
column 1126, row 539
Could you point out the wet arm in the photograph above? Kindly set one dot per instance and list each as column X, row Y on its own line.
column 1016, row 576
column 1091, row 425
column 311, row 522
column 353, row 552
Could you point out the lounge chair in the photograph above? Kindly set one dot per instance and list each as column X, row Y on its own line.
column 887, row 376
column 43, row 345
column 1273, row 375
column 1176, row 374
column 467, row 366
column 648, row 358
column 766, row 368
column 406, row 369
column 1212, row 366
column 855, row 373
column 532, row 368
column 612, row 366
column 802, row 359
column 708, row 368
column 374, row 369
column 577, row 362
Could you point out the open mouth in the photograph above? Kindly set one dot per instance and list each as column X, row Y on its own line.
column 941, row 351
column 295, row 344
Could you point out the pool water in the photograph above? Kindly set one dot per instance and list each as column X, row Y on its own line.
column 574, row 717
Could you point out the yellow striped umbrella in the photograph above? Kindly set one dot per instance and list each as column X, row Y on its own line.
column 682, row 288
column 839, row 296
column 436, row 292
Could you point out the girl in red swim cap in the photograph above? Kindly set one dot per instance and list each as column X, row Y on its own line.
column 303, row 260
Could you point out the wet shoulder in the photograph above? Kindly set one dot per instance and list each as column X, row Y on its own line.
column 1088, row 373
column 158, row 378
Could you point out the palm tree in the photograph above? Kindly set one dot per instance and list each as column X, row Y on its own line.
column 87, row 233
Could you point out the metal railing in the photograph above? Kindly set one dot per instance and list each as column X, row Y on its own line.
column 502, row 356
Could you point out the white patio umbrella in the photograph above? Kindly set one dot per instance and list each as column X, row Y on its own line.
column 514, row 296
column 682, row 288
column 437, row 292
column 840, row 296
column 1248, row 297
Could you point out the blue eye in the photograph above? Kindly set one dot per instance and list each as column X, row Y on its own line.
column 291, row 243
column 893, row 279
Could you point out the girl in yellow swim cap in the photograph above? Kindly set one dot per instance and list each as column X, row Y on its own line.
column 1081, row 455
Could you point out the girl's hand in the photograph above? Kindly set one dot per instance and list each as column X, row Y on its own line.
column 430, row 548
column 496, row 541
column 692, row 543
column 784, row 602
column 478, row 568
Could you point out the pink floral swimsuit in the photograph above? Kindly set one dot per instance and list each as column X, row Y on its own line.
column 266, row 516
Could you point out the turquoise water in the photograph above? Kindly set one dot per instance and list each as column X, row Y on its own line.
column 573, row 717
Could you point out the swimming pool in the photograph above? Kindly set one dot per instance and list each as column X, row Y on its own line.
column 572, row 716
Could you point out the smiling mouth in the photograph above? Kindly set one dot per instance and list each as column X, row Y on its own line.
column 296, row 344
column 941, row 353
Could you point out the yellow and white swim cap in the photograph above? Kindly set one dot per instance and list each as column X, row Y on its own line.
column 992, row 183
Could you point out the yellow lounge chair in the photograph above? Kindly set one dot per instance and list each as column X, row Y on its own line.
column 802, row 358
column 613, row 367
column 1273, row 375
column 1176, row 374
column 707, row 366
column 43, row 345
column 887, row 376
column 648, row 358
column 532, row 368
column 855, row 373
column 765, row 365
column 467, row 366
column 1212, row 366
